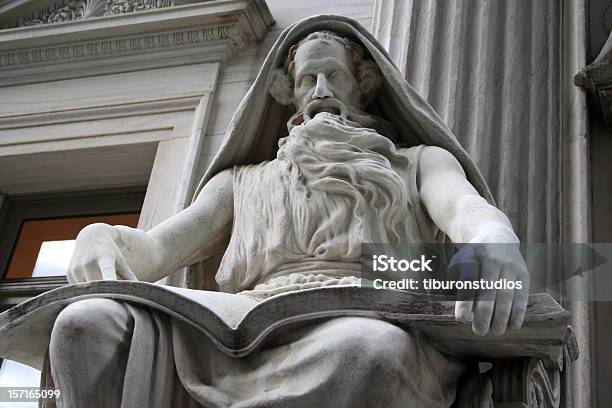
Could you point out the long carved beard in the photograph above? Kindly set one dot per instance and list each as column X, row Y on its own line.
column 337, row 156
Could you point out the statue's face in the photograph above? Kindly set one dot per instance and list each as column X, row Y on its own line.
column 324, row 70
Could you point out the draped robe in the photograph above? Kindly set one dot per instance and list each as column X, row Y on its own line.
column 287, row 235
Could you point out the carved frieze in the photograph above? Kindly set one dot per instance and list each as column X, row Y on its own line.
column 69, row 10
column 119, row 38
column 124, row 45
column 129, row 6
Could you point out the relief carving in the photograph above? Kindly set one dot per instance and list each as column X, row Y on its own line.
column 73, row 10
column 64, row 11
column 543, row 387
column 237, row 36
column 526, row 381
column 129, row 6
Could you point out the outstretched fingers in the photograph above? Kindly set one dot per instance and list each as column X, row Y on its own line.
column 76, row 273
column 503, row 304
column 468, row 271
column 107, row 267
column 519, row 304
column 485, row 299
column 123, row 269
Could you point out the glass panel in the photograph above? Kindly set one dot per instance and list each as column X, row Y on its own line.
column 14, row 374
column 53, row 258
column 44, row 247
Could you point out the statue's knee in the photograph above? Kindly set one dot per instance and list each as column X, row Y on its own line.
column 375, row 345
column 86, row 318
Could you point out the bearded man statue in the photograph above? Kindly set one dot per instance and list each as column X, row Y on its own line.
column 329, row 149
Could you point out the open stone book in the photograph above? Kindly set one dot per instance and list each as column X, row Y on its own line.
column 238, row 328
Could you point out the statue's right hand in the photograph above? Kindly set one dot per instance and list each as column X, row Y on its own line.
column 98, row 256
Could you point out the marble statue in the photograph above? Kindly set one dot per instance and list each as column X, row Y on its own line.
column 330, row 148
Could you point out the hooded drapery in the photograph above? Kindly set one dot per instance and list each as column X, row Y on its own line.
column 259, row 121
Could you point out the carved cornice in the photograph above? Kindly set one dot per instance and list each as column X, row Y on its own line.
column 208, row 31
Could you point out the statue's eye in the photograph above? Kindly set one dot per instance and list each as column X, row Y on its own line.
column 336, row 76
column 308, row 80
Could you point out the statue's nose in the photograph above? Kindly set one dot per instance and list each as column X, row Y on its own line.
column 322, row 89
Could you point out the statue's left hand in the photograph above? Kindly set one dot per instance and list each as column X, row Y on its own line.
column 492, row 310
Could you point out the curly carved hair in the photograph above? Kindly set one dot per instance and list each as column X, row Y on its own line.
column 366, row 71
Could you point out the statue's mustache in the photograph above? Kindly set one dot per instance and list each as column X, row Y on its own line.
column 328, row 105
column 345, row 112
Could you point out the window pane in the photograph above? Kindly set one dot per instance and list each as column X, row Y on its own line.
column 14, row 374
column 44, row 247
column 17, row 375
column 53, row 258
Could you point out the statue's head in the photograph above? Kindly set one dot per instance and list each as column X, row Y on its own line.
column 326, row 72
column 396, row 110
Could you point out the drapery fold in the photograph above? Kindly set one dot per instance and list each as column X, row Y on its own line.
column 491, row 70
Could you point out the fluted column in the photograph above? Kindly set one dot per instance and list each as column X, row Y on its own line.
column 499, row 72
column 491, row 71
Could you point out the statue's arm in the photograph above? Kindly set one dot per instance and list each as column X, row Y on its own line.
column 466, row 217
column 455, row 205
column 110, row 252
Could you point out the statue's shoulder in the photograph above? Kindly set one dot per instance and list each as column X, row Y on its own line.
column 255, row 169
column 413, row 152
column 403, row 149
column 429, row 152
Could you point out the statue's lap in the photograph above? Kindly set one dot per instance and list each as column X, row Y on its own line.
column 102, row 318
